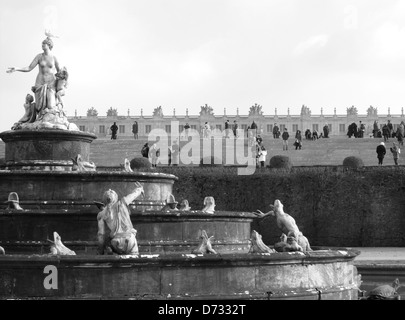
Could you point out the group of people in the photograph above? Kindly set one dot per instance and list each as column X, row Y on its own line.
column 382, row 151
column 153, row 154
column 114, row 130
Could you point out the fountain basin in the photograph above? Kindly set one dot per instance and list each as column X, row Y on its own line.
column 59, row 190
column 158, row 232
column 327, row 274
column 45, row 149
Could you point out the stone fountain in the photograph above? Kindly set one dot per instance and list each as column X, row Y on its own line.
column 180, row 254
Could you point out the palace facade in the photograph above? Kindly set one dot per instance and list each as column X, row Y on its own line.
column 338, row 124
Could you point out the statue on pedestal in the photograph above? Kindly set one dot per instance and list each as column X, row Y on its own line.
column 50, row 85
column 115, row 230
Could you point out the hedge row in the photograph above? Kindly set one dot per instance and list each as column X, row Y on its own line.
column 332, row 208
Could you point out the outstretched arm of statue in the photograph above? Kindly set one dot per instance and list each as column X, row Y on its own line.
column 260, row 214
column 135, row 194
column 26, row 69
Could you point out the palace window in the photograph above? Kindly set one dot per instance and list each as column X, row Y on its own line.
column 148, row 128
column 282, row 127
column 121, row 129
column 342, row 128
column 101, row 129
column 244, row 127
column 193, row 126
column 168, row 128
column 270, row 128
column 315, row 127
column 219, row 127
column 82, row 128
column 295, row 127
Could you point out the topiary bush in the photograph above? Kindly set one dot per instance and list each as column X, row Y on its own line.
column 280, row 162
column 353, row 162
column 211, row 162
column 140, row 163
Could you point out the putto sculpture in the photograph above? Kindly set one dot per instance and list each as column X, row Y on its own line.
column 205, row 246
column 13, row 202
column 115, row 230
column 171, row 204
column 58, row 248
column 209, row 203
column 29, row 115
column 49, row 88
column 258, row 245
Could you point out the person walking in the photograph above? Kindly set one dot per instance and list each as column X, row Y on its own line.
column 114, row 130
column 186, row 130
column 154, row 155
column 262, row 156
column 135, row 130
column 381, row 151
column 298, row 140
column 175, row 154
column 235, row 129
column 375, row 129
column 390, row 129
column 276, row 131
column 145, row 150
column 285, row 137
column 227, row 127
column 362, row 129
column 395, row 153
column 326, row 131
column 400, row 134
column 385, row 132
column 254, row 128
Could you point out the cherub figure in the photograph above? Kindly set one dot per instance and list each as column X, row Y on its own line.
column 61, row 84
column 29, row 115
column 58, row 248
column 115, row 229
column 171, row 204
column 184, row 205
column 258, row 245
column 205, row 246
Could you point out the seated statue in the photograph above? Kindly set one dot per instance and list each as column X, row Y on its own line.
column 13, row 202
column 115, row 229
column 209, row 203
column 29, row 115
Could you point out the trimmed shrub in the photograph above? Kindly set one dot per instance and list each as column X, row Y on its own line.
column 353, row 162
column 140, row 163
column 211, row 162
column 280, row 162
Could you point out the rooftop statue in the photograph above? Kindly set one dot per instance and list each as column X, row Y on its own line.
column 256, row 110
column 92, row 112
column 49, row 88
column 305, row 111
column 112, row 112
column 371, row 111
column 352, row 111
column 115, row 230
column 158, row 112
column 206, row 110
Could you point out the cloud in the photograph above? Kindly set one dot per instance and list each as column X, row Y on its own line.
column 314, row 42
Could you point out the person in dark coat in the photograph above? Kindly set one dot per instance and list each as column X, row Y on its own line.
column 254, row 127
column 145, row 150
column 375, row 129
column 114, row 130
column 381, row 151
column 276, row 131
column 326, row 131
column 390, row 129
column 135, row 130
column 385, row 132
column 298, row 140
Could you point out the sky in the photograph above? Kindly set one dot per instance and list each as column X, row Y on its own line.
column 133, row 54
